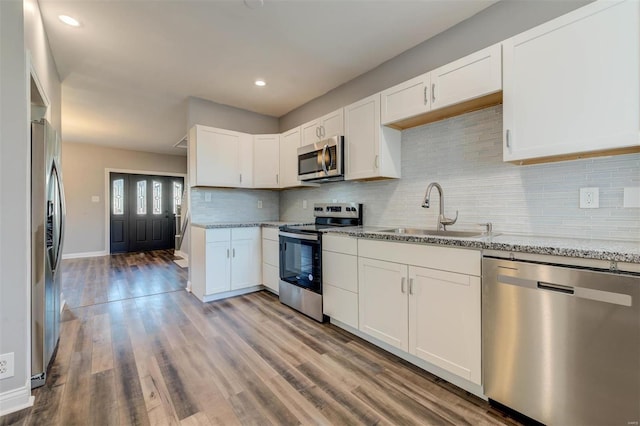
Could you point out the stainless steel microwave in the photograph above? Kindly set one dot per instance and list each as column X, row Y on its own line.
column 322, row 161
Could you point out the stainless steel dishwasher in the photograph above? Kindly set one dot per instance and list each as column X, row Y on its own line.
column 561, row 345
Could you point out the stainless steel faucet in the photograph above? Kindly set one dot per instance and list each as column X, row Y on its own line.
column 442, row 220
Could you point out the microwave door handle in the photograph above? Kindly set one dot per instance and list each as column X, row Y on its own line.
column 331, row 162
column 324, row 163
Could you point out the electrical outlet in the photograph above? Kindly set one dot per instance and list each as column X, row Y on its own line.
column 259, row 204
column 207, row 196
column 589, row 198
column 304, row 204
column 6, row 365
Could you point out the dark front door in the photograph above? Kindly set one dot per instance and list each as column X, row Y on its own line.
column 143, row 211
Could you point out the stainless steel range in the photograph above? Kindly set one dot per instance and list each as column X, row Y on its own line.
column 301, row 256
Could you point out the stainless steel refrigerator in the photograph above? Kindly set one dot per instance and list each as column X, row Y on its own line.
column 47, row 233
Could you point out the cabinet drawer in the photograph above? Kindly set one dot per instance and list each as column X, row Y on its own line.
column 340, row 244
column 245, row 233
column 271, row 252
column 218, row 235
column 270, row 233
column 463, row 261
column 341, row 305
column 340, row 270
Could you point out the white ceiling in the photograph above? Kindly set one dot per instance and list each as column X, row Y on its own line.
column 128, row 69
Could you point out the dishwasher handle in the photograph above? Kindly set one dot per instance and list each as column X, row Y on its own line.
column 556, row 287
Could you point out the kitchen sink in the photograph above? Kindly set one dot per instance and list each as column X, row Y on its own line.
column 433, row 232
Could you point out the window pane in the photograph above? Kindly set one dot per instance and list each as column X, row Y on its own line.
column 142, row 197
column 177, row 196
column 157, row 197
column 118, row 196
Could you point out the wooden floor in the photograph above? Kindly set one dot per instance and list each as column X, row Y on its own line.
column 132, row 351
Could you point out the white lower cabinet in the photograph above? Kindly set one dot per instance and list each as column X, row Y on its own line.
column 384, row 310
column 444, row 320
column 340, row 279
column 271, row 259
column 421, row 308
column 224, row 260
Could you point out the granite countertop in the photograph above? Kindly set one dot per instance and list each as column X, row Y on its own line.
column 619, row 251
column 264, row 223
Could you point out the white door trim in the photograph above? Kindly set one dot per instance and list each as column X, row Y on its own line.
column 107, row 198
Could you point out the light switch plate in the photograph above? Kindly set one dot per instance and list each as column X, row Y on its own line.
column 589, row 198
column 631, row 197
column 259, row 204
column 95, row 199
column 304, row 204
column 207, row 196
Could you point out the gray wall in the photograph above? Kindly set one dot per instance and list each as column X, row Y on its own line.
column 20, row 28
column 83, row 174
column 492, row 25
column 464, row 154
column 201, row 111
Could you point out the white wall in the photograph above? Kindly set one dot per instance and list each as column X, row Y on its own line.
column 83, row 175
column 233, row 205
column 207, row 113
column 464, row 154
column 20, row 30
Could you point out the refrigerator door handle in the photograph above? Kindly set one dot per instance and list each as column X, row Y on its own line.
column 62, row 216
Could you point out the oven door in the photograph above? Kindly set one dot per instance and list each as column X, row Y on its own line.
column 301, row 260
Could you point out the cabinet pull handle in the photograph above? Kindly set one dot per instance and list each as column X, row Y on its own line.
column 227, row 253
column 433, row 92
column 322, row 131
column 410, row 285
column 508, row 138
column 402, row 284
column 376, row 162
column 426, row 98
column 277, row 178
column 240, row 177
column 234, row 252
column 318, row 132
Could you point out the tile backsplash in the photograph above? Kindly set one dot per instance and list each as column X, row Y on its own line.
column 233, row 205
column 464, row 155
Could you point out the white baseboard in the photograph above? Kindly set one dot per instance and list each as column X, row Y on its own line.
column 181, row 254
column 16, row 399
column 232, row 293
column 84, row 254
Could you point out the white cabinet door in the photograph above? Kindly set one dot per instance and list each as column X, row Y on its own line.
column 310, row 132
column 266, row 161
column 571, row 85
column 322, row 128
column 289, row 144
column 270, row 252
column 340, row 286
column 382, row 301
column 271, row 277
column 245, row 257
column 219, row 157
column 332, row 124
column 467, row 78
column 217, row 256
column 444, row 321
column 370, row 151
column 406, row 99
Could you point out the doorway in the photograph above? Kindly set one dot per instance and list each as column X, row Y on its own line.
column 143, row 211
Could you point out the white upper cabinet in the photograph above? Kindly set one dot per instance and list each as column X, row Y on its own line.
column 266, row 161
column 289, row 144
column 467, row 78
column 219, row 157
column 324, row 127
column 468, row 83
column 406, row 99
column 571, row 85
column 371, row 151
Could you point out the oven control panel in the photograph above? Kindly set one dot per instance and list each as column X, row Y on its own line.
column 347, row 210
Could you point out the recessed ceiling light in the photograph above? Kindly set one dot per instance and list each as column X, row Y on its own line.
column 254, row 4
column 260, row 83
column 69, row 20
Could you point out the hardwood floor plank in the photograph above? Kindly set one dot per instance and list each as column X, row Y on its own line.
column 144, row 351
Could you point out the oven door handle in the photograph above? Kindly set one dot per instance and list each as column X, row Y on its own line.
column 310, row 237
